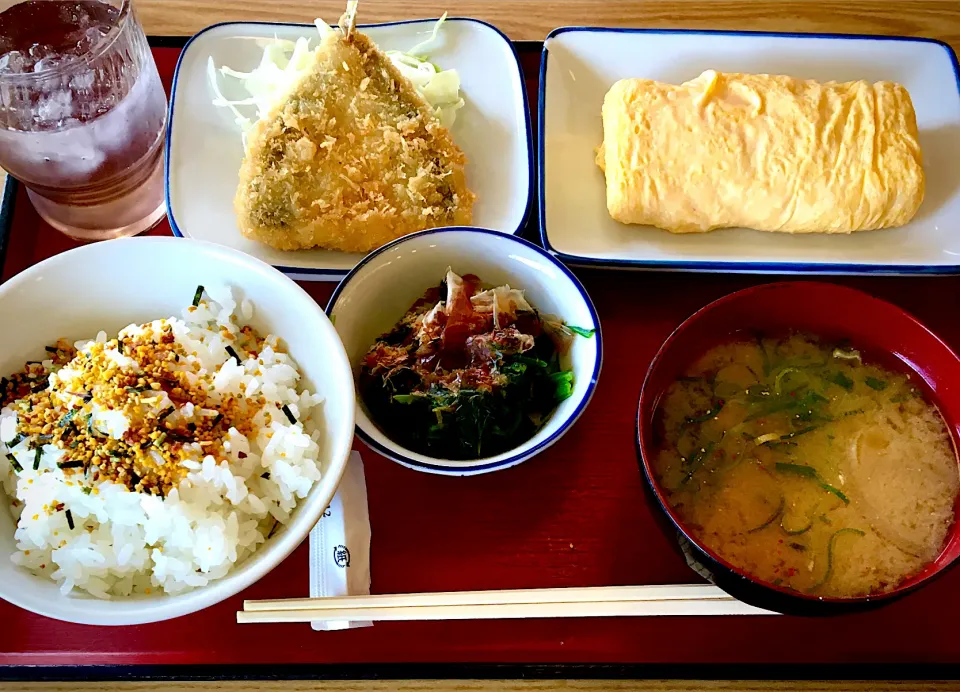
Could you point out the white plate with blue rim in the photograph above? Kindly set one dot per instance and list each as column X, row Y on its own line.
column 204, row 149
column 580, row 64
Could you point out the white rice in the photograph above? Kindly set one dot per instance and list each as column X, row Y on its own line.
column 126, row 542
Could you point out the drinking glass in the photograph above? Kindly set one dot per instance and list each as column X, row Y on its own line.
column 82, row 115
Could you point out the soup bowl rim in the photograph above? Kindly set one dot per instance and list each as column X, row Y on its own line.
column 770, row 593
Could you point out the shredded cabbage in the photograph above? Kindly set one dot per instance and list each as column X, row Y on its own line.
column 284, row 62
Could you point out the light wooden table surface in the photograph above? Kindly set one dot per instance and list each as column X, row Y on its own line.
column 532, row 20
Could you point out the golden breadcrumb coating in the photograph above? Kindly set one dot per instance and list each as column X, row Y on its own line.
column 353, row 159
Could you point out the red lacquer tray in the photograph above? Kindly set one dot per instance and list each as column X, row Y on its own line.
column 574, row 516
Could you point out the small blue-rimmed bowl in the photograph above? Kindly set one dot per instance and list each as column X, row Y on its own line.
column 378, row 292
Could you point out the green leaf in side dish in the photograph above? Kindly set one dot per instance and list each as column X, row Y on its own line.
column 876, row 384
column 564, row 382
column 406, row 398
column 580, row 331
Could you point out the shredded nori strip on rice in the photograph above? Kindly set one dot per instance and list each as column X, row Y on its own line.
column 70, row 464
column 14, row 463
column 65, row 421
column 197, row 296
column 177, row 437
column 233, row 354
column 70, row 520
column 92, row 431
column 289, row 414
column 36, row 458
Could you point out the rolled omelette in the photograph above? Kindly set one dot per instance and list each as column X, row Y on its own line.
column 766, row 152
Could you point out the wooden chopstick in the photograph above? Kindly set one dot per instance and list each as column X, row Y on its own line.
column 595, row 594
column 507, row 611
column 609, row 601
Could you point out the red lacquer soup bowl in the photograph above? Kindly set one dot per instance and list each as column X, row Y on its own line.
column 883, row 331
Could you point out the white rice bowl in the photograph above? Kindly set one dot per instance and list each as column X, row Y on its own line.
column 134, row 557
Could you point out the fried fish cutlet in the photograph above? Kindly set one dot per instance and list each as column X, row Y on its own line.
column 352, row 159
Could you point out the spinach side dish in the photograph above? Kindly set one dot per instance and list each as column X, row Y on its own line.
column 468, row 372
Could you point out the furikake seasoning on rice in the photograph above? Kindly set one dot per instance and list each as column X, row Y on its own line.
column 157, row 460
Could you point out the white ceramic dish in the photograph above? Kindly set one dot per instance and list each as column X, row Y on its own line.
column 138, row 280
column 380, row 290
column 579, row 65
column 204, row 151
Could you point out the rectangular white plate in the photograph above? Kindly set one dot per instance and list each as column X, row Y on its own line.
column 579, row 65
column 204, row 151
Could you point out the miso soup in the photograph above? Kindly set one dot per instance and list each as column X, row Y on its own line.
column 807, row 466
